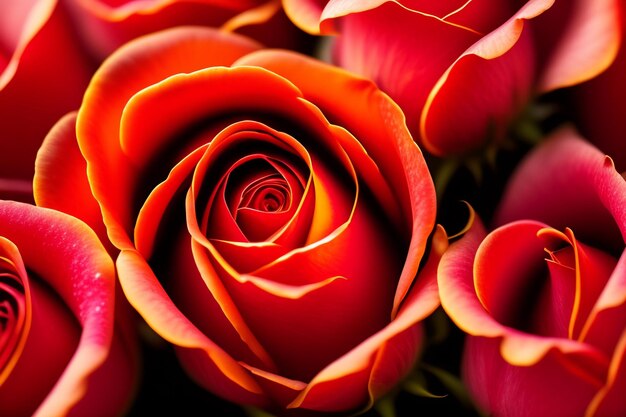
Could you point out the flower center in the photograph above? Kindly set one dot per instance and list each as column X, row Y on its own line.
column 268, row 197
column 13, row 313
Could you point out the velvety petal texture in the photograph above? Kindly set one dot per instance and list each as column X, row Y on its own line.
column 37, row 45
column 61, row 352
column 423, row 54
column 274, row 217
column 543, row 296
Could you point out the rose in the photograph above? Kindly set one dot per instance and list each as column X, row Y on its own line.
column 462, row 70
column 272, row 212
column 599, row 106
column 59, row 351
column 543, row 296
column 37, row 47
column 105, row 25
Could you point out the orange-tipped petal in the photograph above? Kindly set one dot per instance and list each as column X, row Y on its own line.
column 609, row 401
column 85, row 285
column 459, row 297
column 551, row 386
column 221, row 373
column 130, row 69
column 354, row 369
column 509, row 47
column 587, row 44
column 60, row 178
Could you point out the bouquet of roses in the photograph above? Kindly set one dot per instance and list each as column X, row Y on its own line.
column 313, row 208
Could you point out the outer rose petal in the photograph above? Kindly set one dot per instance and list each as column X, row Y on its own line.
column 306, row 14
column 599, row 192
column 86, row 285
column 609, row 401
column 60, row 178
column 587, row 43
column 374, row 361
column 221, row 374
column 129, row 70
column 41, row 48
column 491, row 57
column 548, row 388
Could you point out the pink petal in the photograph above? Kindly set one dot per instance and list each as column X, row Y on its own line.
column 587, row 187
column 86, row 286
column 41, row 47
column 588, row 42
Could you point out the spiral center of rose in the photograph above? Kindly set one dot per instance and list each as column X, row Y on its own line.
column 269, row 196
column 12, row 310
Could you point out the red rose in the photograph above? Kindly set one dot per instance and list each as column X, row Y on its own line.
column 543, row 296
column 463, row 70
column 272, row 213
column 60, row 353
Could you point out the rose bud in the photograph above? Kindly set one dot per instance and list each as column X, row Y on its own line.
column 272, row 212
column 542, row 297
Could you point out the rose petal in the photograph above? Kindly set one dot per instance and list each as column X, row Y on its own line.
column 587, row 44
column 206, row 302
column 608, row 316
column 371, row 40
column 305, row 14
column 159, row 203
column 105, row 26
column 551, row 387
column 221, row 373
column 609, row 401
column 599, row 192
column 86, row 285
column 60, row 178
column 41, row 47
column 512, row 50
column 598, row 106
column 130, row 69
column 280, row 389
column 354, row 369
